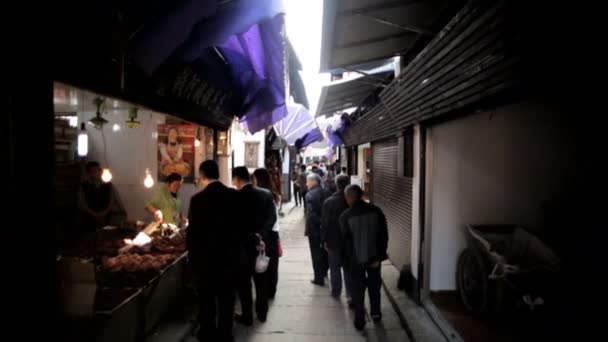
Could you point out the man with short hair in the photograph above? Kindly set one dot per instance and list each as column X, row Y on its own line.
column 365, row 240
column 333, row 207
column 257, row 210
column 214, row 239
column 96, row 199
column 314, row 203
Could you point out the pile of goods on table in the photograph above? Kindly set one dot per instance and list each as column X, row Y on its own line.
column 129, row 258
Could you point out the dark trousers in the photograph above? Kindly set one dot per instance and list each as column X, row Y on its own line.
column 261, row 292
column 319, row 259
column 273, row 276
column 363, row 277
column 297, row 195
column 336, row 267
column 216, row 295
column 303, row 198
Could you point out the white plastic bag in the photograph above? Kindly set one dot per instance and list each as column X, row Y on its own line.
column 261, row 262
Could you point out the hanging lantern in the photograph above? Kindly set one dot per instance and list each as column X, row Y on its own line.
column 83, row 141
column 97, row 120
column 148, row 181
column 131, row 123
column 106, row 175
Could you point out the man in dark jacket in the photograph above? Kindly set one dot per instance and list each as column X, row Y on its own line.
column 330, row 235
column 365, row 240
column 314, row 203
column 302, row 183
column 258, row 212
column 213, row 239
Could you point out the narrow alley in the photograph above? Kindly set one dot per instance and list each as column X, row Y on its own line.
column 303, row 312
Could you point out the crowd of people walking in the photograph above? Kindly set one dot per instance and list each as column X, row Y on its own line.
column 233, row 242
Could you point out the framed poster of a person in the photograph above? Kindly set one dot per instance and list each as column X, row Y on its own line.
column 176, row 151
column 251, row 154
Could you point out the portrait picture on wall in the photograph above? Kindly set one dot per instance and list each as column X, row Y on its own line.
column 251, row 154
column 176, row 151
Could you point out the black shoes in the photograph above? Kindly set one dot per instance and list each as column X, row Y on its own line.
column 359, row 326
column 377, row 317
column 318, row 283
column 246, row 321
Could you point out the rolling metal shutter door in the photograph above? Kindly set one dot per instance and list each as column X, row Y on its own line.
column 393, row 194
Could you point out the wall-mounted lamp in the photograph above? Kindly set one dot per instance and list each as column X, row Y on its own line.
column 132, row 123
column 97, row 120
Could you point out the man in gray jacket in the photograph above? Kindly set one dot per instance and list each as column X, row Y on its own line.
column 365, row 240
column 314, row 202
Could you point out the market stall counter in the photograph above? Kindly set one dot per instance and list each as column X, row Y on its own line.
column 121, row 282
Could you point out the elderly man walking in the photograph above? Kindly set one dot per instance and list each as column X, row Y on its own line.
column 365, row 239
column 330, row 235
column 315, row 197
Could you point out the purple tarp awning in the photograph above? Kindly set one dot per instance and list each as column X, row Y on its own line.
column 195, row 25
column 296, row 124
column 249, row 34
column 309, row 138
column 261, row 75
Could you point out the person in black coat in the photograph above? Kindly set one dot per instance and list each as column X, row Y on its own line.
column 213, row 239
column 364, row 235
column 333, row 207
column 314, row 203
column 257, row 210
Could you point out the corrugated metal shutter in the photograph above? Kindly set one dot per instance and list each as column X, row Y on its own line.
column 393, row 194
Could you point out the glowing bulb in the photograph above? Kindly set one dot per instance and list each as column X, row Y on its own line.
column 197, row 143
column 83, row 142
column 116, row 127
column 106, row 175
column 148, row 181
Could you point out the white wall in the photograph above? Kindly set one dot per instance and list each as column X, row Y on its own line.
column 238, row 138
column 129, row 151
column 496, row 167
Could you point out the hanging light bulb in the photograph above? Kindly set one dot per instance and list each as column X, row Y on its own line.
column 148, row 181
column 106, row 175
column 83, row 141
column 197, row 143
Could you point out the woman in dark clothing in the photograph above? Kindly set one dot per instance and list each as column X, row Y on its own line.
column 262, row 179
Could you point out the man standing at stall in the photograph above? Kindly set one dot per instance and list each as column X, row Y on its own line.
column 164, row 204
column 214, row 239
column 259, row 215
column 96, row 199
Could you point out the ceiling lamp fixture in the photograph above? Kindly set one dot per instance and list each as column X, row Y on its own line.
column 132, row 123
column 98, row 121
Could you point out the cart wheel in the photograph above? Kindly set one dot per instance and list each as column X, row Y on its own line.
column 472, row 281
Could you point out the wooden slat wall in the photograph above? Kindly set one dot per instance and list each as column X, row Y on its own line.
column 393, row 194
column 467, row 62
